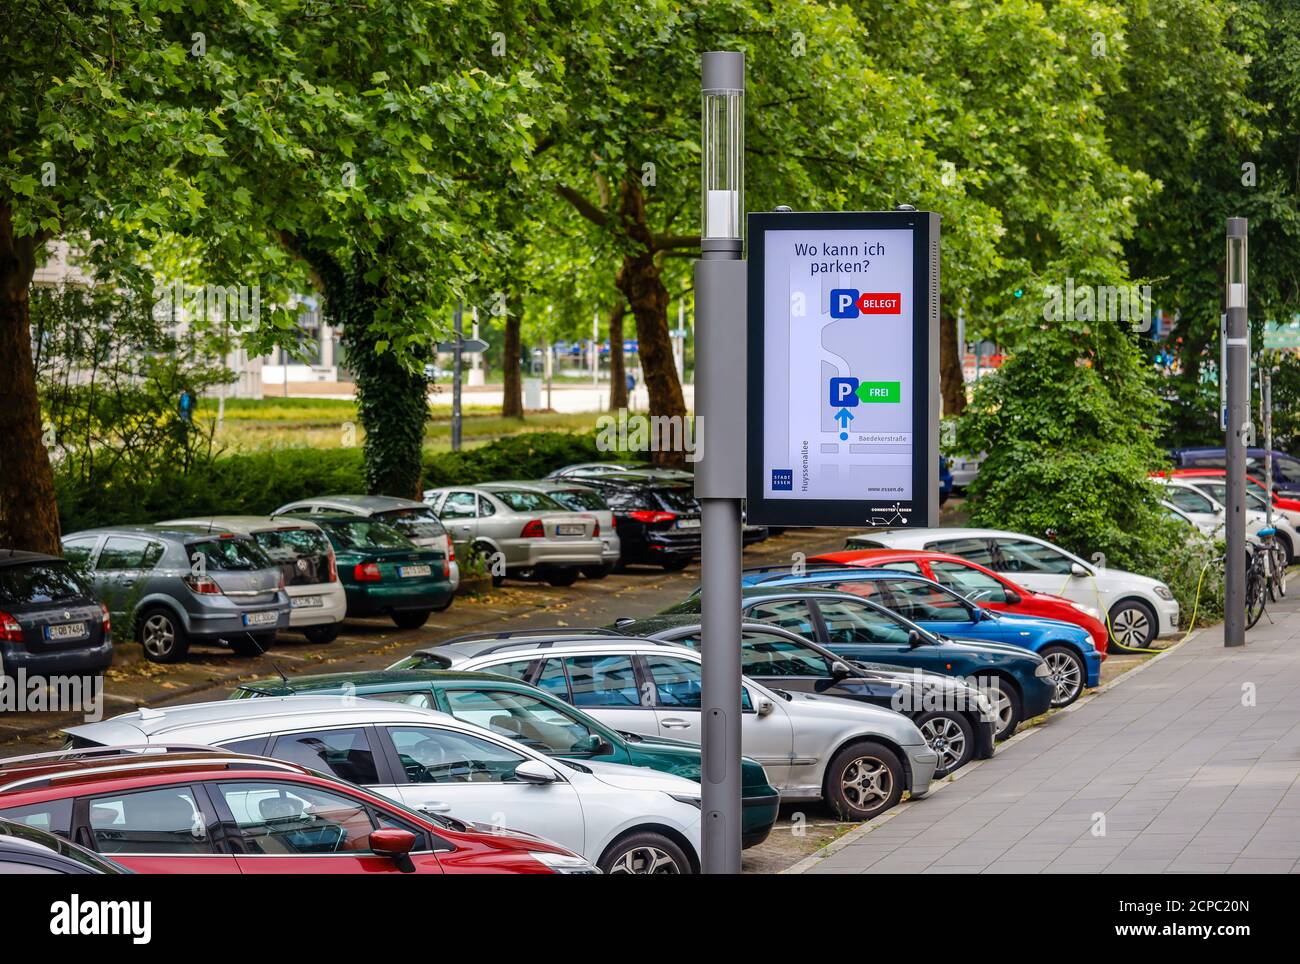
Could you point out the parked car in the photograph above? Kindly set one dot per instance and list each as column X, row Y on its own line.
column 1286, row 468
column 658, row 521
column 303, row 552
column 384, row 573
column 173, row 586
column 415, row 520
column 1017, row 682
column 585, row 470
column 857, row 758
column 50, row 620
column 945, row 481
column 196, row 811
column 30, row 850
column 537, row 719
column 963, row 469
column 1289, row 507
column 576, row 497
column 953, row 717
column 1138, row 608
column 535, row 536
column 623, row 819
column 1256, row 509
column 984, row 587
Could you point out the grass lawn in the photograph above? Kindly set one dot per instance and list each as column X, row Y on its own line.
column 253, row 425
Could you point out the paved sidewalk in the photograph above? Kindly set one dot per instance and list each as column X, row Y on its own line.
column 1187, row 776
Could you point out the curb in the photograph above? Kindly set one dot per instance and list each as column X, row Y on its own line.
column 857, row 833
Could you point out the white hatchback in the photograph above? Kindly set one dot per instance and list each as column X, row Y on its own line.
column 624, row 819
column 1138, row 608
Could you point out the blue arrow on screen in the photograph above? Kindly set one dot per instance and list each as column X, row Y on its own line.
column 844, row 416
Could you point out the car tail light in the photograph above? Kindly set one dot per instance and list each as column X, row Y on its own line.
column 105, row 623
column 366, row 572
column 205, row 586
column 10, row 629
column 451, row 550
column 652, row 515
column 533, row 530
column 280, row 583
column 333, row 568
column 596, row 530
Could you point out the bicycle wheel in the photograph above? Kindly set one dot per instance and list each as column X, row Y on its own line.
column 1279, row 571
column 1255, row 597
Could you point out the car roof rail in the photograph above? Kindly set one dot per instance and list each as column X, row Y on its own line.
column 557, row 631
column 214, row 757
column 105, row 752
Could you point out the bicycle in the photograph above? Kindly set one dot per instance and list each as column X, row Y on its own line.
column 1258, row 578
column 1275, row 563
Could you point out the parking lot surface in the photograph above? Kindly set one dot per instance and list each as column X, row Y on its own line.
column 1185, row 766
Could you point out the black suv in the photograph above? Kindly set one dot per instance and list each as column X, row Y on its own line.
column 658, row 520
column 50, row 620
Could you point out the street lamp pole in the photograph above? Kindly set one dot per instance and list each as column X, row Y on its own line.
column 1236, row 435
column 720, row 284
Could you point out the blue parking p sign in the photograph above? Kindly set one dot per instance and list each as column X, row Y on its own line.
column 844, row 392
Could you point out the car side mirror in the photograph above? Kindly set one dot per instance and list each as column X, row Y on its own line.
column 1013, row 598
column 391, row 842
column 764, row 707
column 839, row 669
column 913, row 638
column 598, row 745
column 535, row 771
column 1077, row 569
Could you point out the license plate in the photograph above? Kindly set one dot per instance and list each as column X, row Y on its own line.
column 407, row 572
column 688, row 523
column 66, row 631
column 261, row 619
column 570, row 529
column 307, row 602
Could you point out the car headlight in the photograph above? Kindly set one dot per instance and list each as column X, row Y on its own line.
column 687, row 799
column 1092, row 611
column 564, row 863
column 1163, row 592
column 1041, row 670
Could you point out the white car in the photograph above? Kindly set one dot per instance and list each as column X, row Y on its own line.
column 857, row 757
column 624, row 819
column 1215, row 490
column 1138, row 608
column 304, row 554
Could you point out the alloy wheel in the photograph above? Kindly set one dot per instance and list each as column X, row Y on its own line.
column 1003, row 711
column 1067, row 676
column 645, row 860
column 158, row 635
column 946, row 738
column 1131, row 628
column 866, row 783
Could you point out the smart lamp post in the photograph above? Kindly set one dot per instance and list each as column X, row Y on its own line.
column 1237, row 433
column 720, row 285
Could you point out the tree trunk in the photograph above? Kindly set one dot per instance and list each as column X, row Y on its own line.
column 392, row 401
column 640, row 280
column 952, row 385
column 512, row 399
column 617, row 372
column 29, row 512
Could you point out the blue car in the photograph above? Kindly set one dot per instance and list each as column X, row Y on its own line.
column 1286, row 468
column 1016, row 681
column 945, row 480
column 1071, row 657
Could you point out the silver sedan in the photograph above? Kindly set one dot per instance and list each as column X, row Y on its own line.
column 520, row 532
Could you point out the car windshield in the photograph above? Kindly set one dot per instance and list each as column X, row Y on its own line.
column 39, row 582
column 417, row 521
column 365, row 534
column 229, row 554
column 422, row 661
column 521, row 501
column 303, row 554
column 579, row 499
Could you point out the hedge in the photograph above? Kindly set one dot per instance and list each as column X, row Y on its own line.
column 257, row 483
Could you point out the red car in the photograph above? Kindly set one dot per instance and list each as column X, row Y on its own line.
column 984, row 586
column 212, row 812
column 1286, row 505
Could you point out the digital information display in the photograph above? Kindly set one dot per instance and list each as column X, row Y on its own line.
column 843, row 368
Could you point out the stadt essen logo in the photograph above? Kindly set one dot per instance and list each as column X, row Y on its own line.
column 850, row 303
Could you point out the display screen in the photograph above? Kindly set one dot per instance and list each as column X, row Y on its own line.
column 840, row 348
